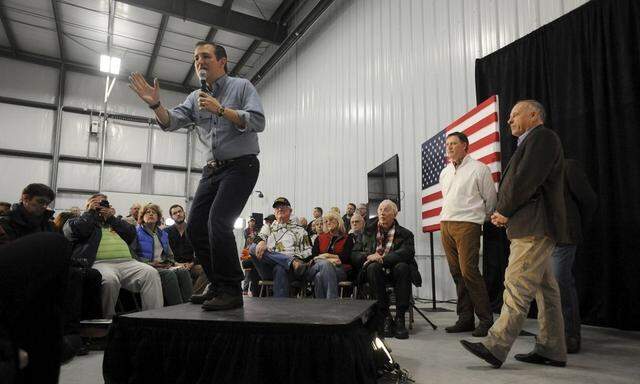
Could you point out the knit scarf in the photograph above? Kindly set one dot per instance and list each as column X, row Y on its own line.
column 384, row 241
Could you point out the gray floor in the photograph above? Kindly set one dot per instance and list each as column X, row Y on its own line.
column 609, row 356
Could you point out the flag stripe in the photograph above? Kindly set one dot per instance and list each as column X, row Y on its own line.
column 472, row 112
column 431, row 212
column 432, row 197
column 492, row 137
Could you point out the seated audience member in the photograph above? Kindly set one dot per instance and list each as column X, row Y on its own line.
column 32, row 215
column 34, row 271
column 84, row 301
column 317, row 214
column 331, row 263
column 357, row 229
column 282, row 250
column 336, row 210
column 132, row 217
column 76, row 211
column 250, row 232
column 183, row 250
column 4, row 208
column 303, row 222
column 363, row 210
column 346, row 219
column 102, row 240
column 152, row 247
column 318, row 229
column 387, row 255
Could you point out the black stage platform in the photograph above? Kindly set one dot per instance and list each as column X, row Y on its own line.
column 268, row 341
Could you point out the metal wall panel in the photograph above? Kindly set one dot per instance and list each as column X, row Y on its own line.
column 78, row 175
column 373, row 78
column 169, row 148
column 26, row 128
column 168, row 183
column 75, row 139
column 27, row 81
column 17, row 172
column 121, row 179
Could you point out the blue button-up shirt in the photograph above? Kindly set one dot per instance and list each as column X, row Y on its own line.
column 224, row 139
column 521, row 138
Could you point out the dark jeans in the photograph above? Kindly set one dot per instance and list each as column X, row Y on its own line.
column 251, row 278
column 562, row 261
column 399, row 275
column 34, row 271
column 218, row 201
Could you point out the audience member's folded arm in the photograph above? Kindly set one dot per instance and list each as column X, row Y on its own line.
column 404, row 253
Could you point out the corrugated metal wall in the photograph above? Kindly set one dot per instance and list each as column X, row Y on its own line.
column 373, row 78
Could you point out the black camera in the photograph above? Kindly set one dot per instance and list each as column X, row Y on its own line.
column 105, row 203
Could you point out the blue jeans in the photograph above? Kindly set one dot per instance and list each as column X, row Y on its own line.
column 562, row 261
column 325, row 277
column 273, row 266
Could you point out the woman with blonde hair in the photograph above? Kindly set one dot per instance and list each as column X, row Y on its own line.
column 153, row 248
column 331, row 251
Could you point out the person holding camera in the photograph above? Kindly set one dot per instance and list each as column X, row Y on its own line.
column 101, row 240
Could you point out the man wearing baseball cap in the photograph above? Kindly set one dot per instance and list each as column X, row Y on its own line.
column 282, row 250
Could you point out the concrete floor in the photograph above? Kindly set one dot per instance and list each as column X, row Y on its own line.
column 609, row 356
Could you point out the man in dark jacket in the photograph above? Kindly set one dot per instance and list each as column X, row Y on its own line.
column 32, row 215
column 581, row 203
column 101, row 240
column 531, row 206
column 387, row 255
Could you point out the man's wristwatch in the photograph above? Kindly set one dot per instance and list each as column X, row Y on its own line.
column 155, row 106
column 221, row 111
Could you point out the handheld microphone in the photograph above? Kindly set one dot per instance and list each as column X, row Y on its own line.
column 202, row 75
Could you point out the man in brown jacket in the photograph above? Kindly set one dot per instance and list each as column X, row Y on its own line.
column 531, row 206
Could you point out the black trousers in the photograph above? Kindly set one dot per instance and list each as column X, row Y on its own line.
column 399, row 275
column 83, row 298
column 34, row 271
column 218, row 202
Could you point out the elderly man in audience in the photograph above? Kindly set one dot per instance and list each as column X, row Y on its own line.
column 387, row 255
column 183, row 250
column 134, row 211
column 32, row 215
column 357, row 228
column 346, row 218
column 152, row 247
column 331, row 263
column 102, row 240
column 282, row 251
column 4, row 208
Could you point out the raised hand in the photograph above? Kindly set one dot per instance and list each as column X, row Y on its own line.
column 149, row 94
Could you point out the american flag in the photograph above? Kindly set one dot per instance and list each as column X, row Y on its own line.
column 481, row 127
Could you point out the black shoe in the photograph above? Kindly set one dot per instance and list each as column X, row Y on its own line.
column 573, row 344
column 401, row 330
column 482, row 352
column 481, row 330
column 389, row 329
column 208, row 294
column 223, row 301
column 460, row 326
column 534, row 358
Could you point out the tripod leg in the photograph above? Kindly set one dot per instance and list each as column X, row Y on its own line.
column 424, row 316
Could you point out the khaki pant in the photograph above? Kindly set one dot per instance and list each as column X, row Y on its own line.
column 461, row 243
column 529, row 275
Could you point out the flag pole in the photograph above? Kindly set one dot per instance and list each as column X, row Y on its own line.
column 433, row 273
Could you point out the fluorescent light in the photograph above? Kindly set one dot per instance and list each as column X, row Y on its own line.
column 105, row 63
column 110, row 64
column 239, row 224
column 115, row 66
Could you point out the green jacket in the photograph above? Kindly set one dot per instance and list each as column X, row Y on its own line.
column 402, row 251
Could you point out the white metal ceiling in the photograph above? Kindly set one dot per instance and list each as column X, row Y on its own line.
column 85, row 34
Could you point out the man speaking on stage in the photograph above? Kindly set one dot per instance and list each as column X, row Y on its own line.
column 227, row 113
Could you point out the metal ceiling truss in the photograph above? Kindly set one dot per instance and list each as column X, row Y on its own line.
column 293, row 37
column 156, row 46
column 7, row 28
column 211, row 35
column 215, row 16
column 280, row 14
column 59, row 31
